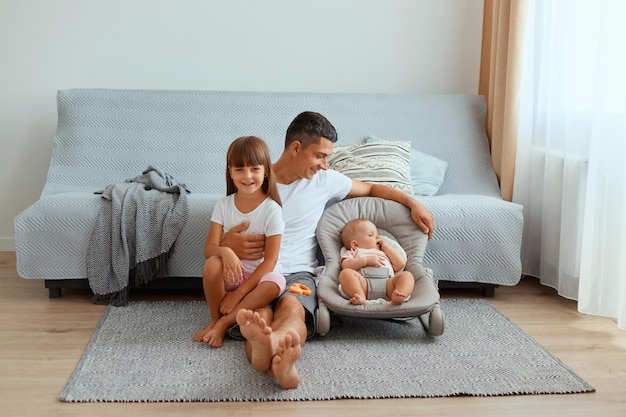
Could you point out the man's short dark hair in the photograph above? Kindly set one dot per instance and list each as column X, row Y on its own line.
column 308, row 127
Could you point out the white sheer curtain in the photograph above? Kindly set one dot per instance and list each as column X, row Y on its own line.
column 571, row 159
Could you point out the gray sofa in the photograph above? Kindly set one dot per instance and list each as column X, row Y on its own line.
column 108, row 136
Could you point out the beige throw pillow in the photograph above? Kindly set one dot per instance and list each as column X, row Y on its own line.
column 375, row 162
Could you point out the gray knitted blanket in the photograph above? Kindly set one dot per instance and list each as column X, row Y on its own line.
column 134, row 234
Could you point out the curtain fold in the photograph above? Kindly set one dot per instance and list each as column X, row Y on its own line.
column 503, row 25
column 571, row 154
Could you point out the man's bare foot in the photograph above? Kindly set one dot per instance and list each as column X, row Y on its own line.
column 398, row 297
column 259, row 335
column 284, row 361
column 358, row 299
column 215, row 335
column 200, row 335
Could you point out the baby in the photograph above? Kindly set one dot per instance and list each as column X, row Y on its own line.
column 366, row 248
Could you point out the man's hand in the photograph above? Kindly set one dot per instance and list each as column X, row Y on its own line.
column 420, row 214
column 423, row 218
column 245, row 246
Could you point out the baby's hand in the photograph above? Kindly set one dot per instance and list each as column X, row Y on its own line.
column 376, row 261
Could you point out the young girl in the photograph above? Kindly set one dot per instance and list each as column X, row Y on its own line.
column 229, row 283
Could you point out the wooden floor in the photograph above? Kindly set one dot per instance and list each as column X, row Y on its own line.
column 42, row 339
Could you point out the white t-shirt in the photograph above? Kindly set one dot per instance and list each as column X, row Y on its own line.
column 266, row 219
column 304, row 202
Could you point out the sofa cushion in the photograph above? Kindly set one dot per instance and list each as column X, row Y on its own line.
column 375, row 162
column 53, row 236
column 427, row 171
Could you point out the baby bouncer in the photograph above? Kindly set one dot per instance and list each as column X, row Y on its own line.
column 394, row 223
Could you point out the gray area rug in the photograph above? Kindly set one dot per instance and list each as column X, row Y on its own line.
column 145, row 352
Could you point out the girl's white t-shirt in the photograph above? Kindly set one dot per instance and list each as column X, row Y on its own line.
column 266, row 219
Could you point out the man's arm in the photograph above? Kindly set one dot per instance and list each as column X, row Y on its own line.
column 245, row 246
column 420, row 214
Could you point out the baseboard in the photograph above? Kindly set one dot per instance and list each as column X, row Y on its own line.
column 488, row 290
column 55, row 286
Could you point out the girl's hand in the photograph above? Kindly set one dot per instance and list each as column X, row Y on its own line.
column 232, row 269
column 230, row 301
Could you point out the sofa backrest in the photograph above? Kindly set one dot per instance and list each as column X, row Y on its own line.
column 107, row 136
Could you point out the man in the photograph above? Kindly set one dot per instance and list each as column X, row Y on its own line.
column 274, row 338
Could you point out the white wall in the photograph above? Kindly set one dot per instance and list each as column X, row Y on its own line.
column 379, row 46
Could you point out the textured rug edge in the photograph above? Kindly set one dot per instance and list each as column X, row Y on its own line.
column 66, row 394
column 588, row 388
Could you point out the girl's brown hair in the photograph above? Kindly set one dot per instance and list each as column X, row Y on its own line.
column 251, row 151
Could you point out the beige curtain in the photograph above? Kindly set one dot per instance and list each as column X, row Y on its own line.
column 500, row 74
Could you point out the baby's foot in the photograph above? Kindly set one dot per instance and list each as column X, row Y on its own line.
column 284, row 362
column 199, row 336
column 398, row 297
column 259, row 335
column 358, row 299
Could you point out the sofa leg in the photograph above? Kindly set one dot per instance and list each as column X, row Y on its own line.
column 489, row 291
column 54, row 292
column 55, row 286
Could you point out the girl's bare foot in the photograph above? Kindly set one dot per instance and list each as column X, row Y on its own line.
column 198, row 337
column 358, row 299
column 259, row 335
column 284, row 361
column 215, row 335
column 397, row 297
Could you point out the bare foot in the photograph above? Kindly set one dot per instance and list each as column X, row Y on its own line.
column 215, row 335
column 358, row 299
column 284, row 361
column 198, row 337
column 259, row 335
column 398, row 298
